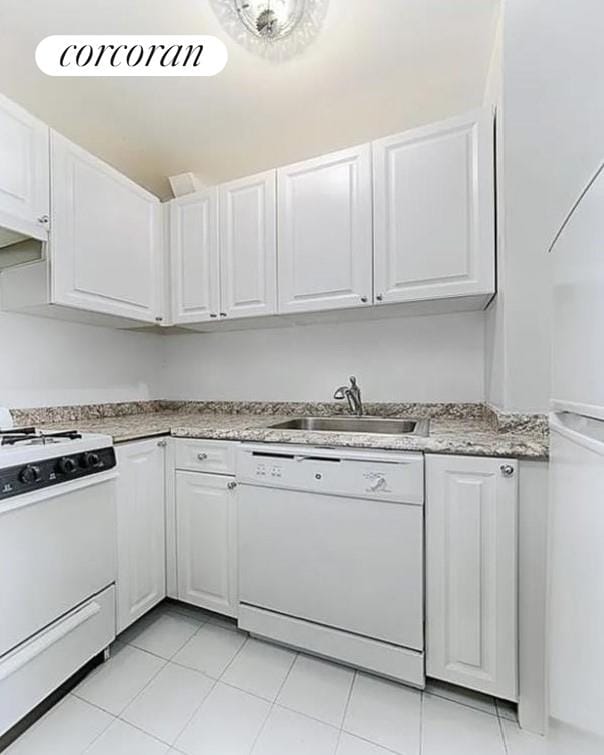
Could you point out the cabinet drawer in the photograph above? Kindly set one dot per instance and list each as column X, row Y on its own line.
column 216, row 456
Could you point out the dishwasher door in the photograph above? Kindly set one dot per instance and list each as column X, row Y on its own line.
column 350, row 563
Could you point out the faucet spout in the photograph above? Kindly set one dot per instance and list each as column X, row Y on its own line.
column 352, row 393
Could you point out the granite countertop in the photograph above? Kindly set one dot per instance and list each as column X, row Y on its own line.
column 469, row 429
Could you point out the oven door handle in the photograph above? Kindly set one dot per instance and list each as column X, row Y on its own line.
column 36, row 647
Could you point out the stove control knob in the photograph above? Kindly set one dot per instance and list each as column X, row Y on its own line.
column 91, row 459
column 66, row 465
column 30, row 474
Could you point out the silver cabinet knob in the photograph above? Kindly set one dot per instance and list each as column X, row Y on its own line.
column 223, row 314
column 43, row 220
column 507, row 470
column 202, row 457
column 213, row 314
column 159, row 319
column 231, row 485
column 162, row 443
column 380, row 297
column 364, row 299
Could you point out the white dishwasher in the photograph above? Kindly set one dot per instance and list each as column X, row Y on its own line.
column 331, row 553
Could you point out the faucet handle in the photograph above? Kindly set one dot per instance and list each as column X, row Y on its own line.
column 353, row 381
column 340, row 393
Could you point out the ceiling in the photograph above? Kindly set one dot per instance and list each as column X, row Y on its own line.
column 377, row 68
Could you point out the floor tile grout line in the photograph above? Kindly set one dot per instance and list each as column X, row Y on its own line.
column 502, row 732
column 354, row 678
column 430, row 693
column 421, row 722
column 272, row 705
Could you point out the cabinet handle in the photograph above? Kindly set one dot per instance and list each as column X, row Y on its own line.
column 507, row 470
column 380, row 297
column 43, row 219
column 159, row 319
column 364, row 299
column 202, row 457
column 231, row 485
column 213, row 314
column 223, row 314
column 162, row 443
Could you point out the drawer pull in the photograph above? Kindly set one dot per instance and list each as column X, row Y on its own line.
column 35, row 648
column 507, row 470
column 231, row 485
column 202, row 457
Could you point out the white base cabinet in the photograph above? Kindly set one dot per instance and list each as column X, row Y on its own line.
column 206, row 541
column 471, row 573
column 141, row 578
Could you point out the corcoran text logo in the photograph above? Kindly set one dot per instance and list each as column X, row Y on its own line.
column 130, row 55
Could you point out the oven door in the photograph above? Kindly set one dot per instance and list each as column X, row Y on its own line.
column 352, row 564
column 57, row 548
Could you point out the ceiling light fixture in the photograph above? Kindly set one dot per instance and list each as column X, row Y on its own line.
column 275, row 29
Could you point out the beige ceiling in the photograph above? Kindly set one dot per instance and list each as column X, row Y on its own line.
column 379, row 66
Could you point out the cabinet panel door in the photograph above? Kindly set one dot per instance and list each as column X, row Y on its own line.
column 206, row 541
column 434, row 208
column 471, row 573
column 194, row 253
column 24, row 171
column 325, row 232
column 141, row 581
column 248, row 246
column 106, row 237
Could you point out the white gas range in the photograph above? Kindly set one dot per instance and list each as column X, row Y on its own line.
column 57, row 561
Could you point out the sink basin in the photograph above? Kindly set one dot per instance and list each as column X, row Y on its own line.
column 371, row 425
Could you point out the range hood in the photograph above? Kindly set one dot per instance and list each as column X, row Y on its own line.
column 17, row 248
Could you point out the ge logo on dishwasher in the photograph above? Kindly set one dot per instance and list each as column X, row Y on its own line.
column 131, row 55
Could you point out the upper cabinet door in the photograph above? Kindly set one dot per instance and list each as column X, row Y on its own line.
column 248, row 246
column 194, row 254
column 106, row 237
column 434, row 209
column 325, row 232
column 24, row 168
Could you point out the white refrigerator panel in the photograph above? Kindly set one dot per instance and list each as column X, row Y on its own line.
column 576, row 649
column 578, row 316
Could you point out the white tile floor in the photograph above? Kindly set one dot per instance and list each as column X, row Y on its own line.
column 182, row 681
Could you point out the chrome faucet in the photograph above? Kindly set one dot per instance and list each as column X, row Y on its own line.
column 352, row 393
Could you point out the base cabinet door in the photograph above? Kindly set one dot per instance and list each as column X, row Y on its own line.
column 206, row 541
column 471, row 572
column 433, row 211
column 106, row 237
column 141, row 579
column 325, row 232
column 24, row 168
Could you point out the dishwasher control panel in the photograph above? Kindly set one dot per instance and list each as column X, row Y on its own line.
column 394, row 476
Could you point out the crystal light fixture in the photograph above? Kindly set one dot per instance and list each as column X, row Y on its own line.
column 275, row 29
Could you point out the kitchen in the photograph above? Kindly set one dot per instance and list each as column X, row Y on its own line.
column 318, row 338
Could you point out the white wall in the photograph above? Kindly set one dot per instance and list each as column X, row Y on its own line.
column 47, row 362
column 428, row 358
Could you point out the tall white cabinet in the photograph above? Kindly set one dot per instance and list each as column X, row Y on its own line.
column 324, row 237
column 471, row 572
column 24, row 171
column 106, row 237
column 433, row 211
column 141, row 579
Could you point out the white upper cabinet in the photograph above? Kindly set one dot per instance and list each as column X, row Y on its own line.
column 24, row 171
column 106, row 237
column 471, row 572
column 248, row 246
column 434, row 211
column 195, row 257
column 325, row 232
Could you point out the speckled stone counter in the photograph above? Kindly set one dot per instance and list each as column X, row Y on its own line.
column 468, row 429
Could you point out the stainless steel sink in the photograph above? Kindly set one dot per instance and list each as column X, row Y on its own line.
column 371, row 425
